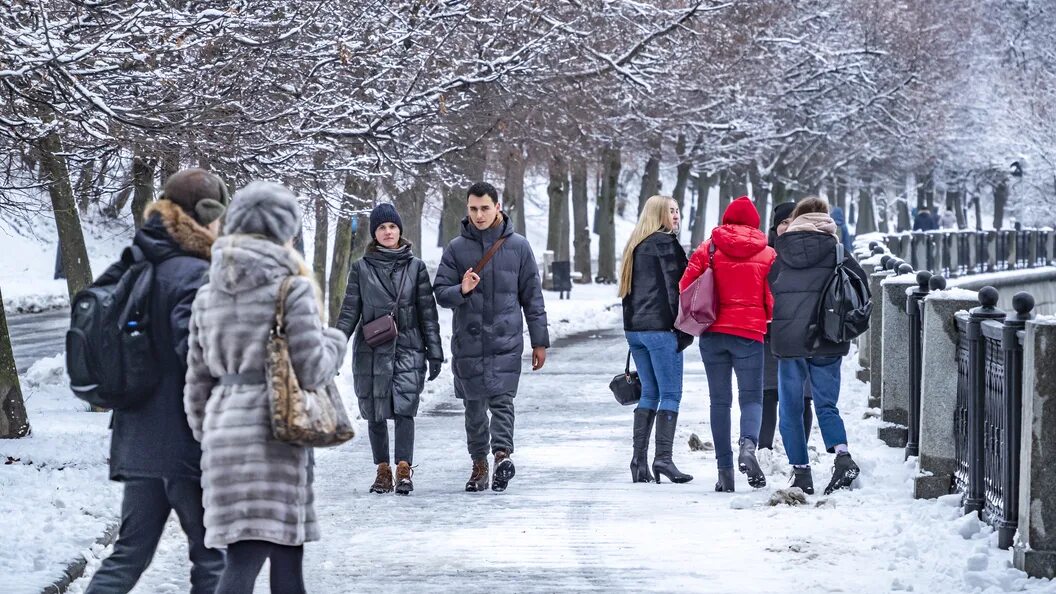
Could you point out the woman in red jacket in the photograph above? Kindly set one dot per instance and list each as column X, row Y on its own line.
column 734, row 343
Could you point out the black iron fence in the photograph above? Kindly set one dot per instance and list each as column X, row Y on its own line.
column 955, row 253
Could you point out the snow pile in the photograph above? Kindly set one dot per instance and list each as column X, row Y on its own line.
column 956, row 293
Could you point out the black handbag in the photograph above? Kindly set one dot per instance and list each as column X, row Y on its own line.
column 381, row 331
column 626, row 387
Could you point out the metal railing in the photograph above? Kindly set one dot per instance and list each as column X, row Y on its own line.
column 956, row 253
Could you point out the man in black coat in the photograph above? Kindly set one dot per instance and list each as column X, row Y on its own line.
column 152, row 450
column 487, row 341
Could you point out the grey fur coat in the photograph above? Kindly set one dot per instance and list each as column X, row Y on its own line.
column 255, row 488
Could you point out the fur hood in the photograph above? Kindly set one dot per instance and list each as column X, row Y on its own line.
column 189, row 235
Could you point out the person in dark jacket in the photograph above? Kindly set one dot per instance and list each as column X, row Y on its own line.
column 779, row 223
column 653, row 263
column 389, row 379
column 925, row 221
column 806, row 258
column 740, row 260
column 152, row 449
column 841, row 228
column 487, row 341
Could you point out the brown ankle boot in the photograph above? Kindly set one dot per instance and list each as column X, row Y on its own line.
column 404, row 486
column 383, row 483
column 478, row 481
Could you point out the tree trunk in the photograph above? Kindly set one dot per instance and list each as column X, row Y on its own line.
column 513, row 193
column 607, row 215
column 929, row 192
column 454, row 210
column 1000, row 202
column 581, row 229
column 905, row 222
column 356, row 196
column 75, row 264
column 919, row 181
column 13, row 420
column 881, row 213
column 760, row 194
column 701, row 213
column 410, row 203
column 170, row 163
column 557, row 190
column 322, row 234
column 841, row 193
column 725, row 189
column 84, row 186
column 651, row 176
column 738, row 183
column 685, row 166
column 143, row 187
column 955, row 202
column 977, row 202
column 866, row 212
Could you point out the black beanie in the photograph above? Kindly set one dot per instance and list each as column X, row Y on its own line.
column 384, row 213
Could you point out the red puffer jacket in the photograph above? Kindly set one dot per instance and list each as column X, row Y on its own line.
column 742, row 263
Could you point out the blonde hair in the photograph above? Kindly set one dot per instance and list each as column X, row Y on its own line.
column 808, row 205
column 654, row 217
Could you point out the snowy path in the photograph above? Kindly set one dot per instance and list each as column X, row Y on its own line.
column 572, row 521
column 35, row 336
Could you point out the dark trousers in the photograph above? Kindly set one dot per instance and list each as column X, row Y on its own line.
column 769, row 426
column 246, row 557
column 145, row 508
column 484, row 435
column 378, row 431
column 725, row 355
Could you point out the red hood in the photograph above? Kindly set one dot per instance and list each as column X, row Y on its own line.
column 739, row 241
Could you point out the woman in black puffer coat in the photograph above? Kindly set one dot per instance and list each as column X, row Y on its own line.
column 389, row 379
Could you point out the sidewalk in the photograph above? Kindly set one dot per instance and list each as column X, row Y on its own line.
column 572, row 521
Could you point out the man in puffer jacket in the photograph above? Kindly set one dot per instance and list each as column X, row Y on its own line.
column 734, row 343
column 806, row 259
column 487, row 341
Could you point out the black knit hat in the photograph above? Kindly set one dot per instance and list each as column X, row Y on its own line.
column 384, row 213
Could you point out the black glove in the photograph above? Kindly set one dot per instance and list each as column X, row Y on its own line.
column 434, row 368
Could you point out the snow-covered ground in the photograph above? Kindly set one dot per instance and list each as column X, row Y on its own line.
column 573, row 521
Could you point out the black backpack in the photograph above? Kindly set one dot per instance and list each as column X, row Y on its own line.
column 844, row 307
column 110, row 357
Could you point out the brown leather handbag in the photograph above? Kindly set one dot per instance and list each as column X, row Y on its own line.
column 383, row 330
column 308, row 418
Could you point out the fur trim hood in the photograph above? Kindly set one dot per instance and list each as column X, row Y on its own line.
column 191, row 237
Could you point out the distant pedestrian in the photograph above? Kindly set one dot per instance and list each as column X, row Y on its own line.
column 489, row 296
column 653, row 263
column 806, row 258
column 259, row 503
column 152, row 449
column 741, row 260
column 841, row 227
column 948, row 220
column 924, row 221
column 389, row 377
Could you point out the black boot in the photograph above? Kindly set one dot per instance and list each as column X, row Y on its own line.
column 666, row 421
column 748, row 465
column 802, row 478
column 725, row 483
column 844, row 471
column 643, row 427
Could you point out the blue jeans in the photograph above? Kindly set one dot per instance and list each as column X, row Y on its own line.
column 724, row 355
column 824, row 376
column 659, row 366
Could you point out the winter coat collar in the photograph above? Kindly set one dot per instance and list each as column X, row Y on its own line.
column 244, row 262
column 489, row 235
column 168, row 232
column 738, row 241
column 814, row 221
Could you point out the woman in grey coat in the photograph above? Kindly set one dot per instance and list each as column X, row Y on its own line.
column 257, row 490
column 389, row 379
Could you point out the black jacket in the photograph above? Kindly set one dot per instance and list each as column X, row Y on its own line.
column 154, row 439
column 805, row 262
column 488, row 323
column 652, row 304
column 390, row 379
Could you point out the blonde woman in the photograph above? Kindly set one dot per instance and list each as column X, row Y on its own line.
column 653, row 263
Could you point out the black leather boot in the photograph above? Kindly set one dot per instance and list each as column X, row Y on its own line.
column 725, row 484
column 666, row 421
column 643, row 428
column 748, row 465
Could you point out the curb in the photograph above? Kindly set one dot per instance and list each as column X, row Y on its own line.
column 75, row 569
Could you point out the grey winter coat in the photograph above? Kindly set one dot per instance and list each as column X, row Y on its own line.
column 390, row 379
column 153, row 439
column 255, row 488
column 488, row 340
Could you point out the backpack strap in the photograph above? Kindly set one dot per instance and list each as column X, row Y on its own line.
column 840, row 253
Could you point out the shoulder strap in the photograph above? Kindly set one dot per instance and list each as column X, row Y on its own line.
column 280, row 306
column 399, row 287
column 839, row 252
column 711, row 254
column 487, row 256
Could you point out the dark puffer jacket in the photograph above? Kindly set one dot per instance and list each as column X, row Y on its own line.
column 652, row 304
column 154, row 439
column 805, row 262
column 488, row 328
column 390, row 379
